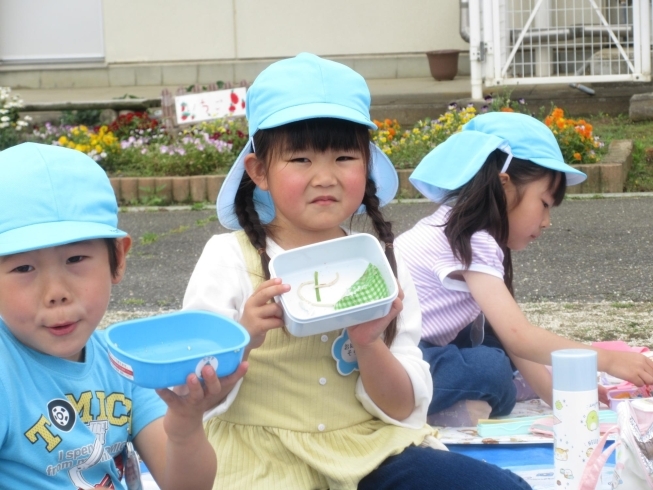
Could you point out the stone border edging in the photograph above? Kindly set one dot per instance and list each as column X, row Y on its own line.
column 610, row 174
column 607, row 176
column 146, row 190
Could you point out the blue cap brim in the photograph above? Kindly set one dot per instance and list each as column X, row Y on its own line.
column 383, row 173
column 572, row 175
column 313, row 111
column 53, row 234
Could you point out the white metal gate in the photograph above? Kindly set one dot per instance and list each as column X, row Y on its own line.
column 558, row 41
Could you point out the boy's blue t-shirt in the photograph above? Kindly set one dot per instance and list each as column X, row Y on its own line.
column 64, row 424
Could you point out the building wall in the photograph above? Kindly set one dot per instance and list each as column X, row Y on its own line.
column 191, row 30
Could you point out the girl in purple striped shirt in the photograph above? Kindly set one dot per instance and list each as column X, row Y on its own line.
column 496, row 181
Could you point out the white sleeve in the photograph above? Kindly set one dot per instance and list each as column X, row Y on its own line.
column 220, row 283
column 405, row 349
column 487, row 257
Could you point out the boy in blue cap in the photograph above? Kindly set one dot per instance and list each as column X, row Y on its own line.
column 67, row 416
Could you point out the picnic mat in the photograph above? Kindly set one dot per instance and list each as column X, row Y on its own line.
column 528, row 455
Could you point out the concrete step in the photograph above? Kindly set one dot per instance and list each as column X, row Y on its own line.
column 405, row 99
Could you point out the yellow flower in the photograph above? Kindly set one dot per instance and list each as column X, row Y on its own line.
column 63, row 140
column 98, row 149
column 577, row 156
column 83, row 128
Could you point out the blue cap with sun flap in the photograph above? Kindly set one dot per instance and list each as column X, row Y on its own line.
column 453, row 163
column 296, row 89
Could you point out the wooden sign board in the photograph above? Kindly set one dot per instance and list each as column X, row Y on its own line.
column 204, row 106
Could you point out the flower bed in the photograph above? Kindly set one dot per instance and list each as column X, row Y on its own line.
column 136, row 146
column 574, row 136
column 12, row 127
column 406, row 148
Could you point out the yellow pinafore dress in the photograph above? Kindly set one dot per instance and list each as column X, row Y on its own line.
column 296, row 422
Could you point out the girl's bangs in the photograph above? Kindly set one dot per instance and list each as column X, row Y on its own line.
column 523, row 172
column 324, row 134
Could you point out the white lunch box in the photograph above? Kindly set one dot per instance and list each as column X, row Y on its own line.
column 343, row 260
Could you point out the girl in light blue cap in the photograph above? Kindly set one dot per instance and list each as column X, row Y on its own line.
column 496, row 181
column 296, row 420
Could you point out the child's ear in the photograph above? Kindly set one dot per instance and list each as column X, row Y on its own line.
column 256, row 170
column 122, row 249
column 504, row 178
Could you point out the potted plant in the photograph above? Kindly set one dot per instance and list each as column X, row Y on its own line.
column 443, row 63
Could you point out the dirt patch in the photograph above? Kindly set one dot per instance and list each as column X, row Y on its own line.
column 586, row 322
column 112, row 317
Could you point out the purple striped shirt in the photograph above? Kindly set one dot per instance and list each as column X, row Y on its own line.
column 446, row 303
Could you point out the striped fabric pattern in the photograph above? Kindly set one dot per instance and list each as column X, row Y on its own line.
column 446, row 304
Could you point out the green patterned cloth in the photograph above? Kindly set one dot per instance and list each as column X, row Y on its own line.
column 369, row 287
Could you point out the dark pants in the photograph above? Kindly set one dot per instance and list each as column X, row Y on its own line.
column 419, row 468
column 462, row 372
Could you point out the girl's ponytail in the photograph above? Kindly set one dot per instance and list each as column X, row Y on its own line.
column 383, row 229
column 249, row 220
column 480, row 205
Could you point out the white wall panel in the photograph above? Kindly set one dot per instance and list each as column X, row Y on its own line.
column 34, row 31
column 168, row 30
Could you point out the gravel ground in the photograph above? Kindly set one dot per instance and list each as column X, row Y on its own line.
column 585, row 322
column 589, row 277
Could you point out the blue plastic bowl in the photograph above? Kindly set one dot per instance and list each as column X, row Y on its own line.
column 161, row 351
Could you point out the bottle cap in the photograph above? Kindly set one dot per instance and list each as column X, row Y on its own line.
column 574, row 369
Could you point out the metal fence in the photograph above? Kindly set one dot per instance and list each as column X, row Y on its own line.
column 558, row 41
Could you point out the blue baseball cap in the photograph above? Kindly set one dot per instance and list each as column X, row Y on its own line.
column 296, row 89
column 52, row 196
column 453, row 163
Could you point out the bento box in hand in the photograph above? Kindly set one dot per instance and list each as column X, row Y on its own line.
column 161, row 351
column 335, row 284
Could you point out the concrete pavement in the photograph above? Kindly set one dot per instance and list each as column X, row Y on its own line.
column 596, row 250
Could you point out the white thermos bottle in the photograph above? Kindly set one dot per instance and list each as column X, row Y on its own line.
column 575, row 413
